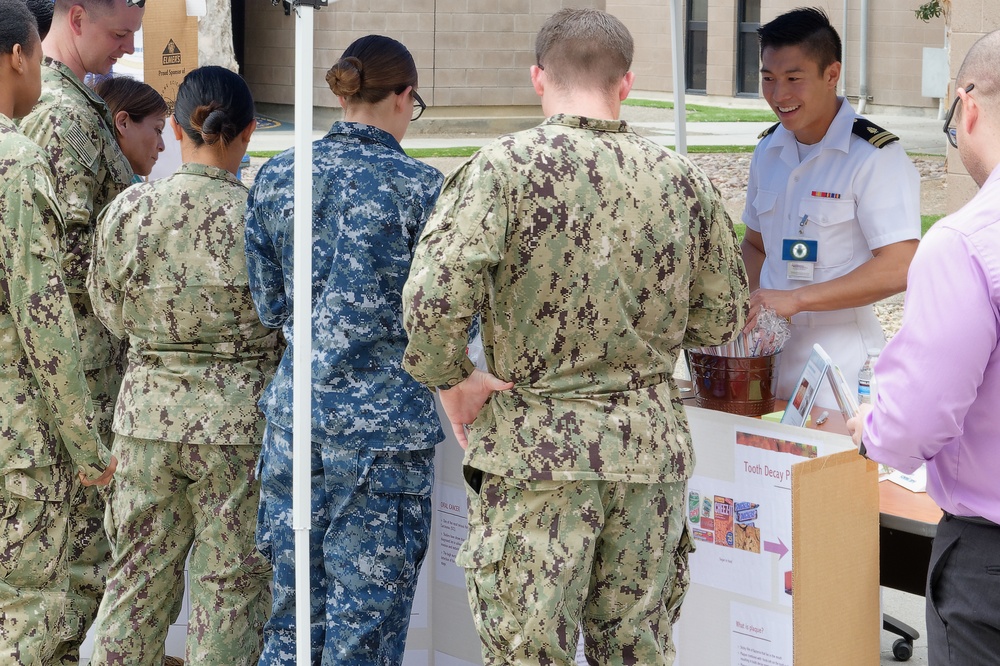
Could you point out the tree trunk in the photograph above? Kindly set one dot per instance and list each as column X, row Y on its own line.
column 215, row 36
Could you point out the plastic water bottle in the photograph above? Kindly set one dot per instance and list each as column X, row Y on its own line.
column 866, row 377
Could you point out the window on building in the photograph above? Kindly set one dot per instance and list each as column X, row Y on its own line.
column 696, row 58
column 747, row 49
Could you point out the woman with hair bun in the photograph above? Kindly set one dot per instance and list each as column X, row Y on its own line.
column 169, row 272
column 373, row 427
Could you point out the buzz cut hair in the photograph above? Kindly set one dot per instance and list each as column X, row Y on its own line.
column 584, row 48
column 806, row 27
column 93, row 6
column 980, row 66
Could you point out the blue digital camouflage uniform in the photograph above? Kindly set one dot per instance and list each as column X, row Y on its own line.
column 593, row 256
column 74, row 127
column 169, row 272
column 48, row 429
column 373, row 428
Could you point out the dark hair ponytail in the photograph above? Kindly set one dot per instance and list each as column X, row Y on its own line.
column 213, row 104
column 371, row 69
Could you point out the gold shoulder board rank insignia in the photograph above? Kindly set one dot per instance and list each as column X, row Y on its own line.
column 872, row 133
column 768, row 131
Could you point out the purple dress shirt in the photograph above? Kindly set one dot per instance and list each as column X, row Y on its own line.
column 939, row 378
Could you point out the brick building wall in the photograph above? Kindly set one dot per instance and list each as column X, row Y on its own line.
column 895, row 52
column 476, row 53
column 468, row 52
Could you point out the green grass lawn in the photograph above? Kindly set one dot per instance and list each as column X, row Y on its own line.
column 696, row 113
column 927, row 221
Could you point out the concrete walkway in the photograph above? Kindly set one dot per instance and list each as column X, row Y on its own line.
column 918, row 134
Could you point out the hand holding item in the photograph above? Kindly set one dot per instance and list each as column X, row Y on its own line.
column 856, row 424
column 781, row 301
column 765, row 334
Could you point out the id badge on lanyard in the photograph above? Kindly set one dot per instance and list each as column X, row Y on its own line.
column 799, row 254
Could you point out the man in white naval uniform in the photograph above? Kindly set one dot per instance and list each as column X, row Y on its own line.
column 832, row 208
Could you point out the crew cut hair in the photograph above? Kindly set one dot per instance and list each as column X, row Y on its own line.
column 806, row 27
column 584, row 48
column 99, row 7
column 980, row 66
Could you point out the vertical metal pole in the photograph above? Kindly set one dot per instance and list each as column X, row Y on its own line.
column 302, row 330
column 677, row 52
column 843, row 55
column 863, row 60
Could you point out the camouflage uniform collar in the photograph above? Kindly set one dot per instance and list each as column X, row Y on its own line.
column 582, row 122
column 362, row 131
column 7, row 124
column 85, row 90
column 195, row 169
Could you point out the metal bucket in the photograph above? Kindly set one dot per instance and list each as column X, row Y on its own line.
column 736, row 385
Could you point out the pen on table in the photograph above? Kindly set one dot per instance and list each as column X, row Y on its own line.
column 822, row 418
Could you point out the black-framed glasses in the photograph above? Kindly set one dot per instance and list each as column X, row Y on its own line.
column 952, row 132
column 418, row 106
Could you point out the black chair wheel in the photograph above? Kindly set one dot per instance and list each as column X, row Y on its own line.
column 902, row 649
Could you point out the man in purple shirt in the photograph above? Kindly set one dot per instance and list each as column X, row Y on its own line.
column 939, row 382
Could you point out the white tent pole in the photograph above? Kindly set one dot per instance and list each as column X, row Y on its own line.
column 302, row 329
column 677, row 53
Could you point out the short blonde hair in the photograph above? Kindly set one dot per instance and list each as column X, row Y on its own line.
column 584, row 48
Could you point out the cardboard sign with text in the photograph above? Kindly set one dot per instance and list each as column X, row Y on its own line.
column 170, row 46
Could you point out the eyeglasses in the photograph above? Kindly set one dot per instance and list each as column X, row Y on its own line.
column 952, row 132
column 418, row 106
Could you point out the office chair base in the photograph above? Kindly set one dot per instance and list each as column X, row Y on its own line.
column 902, row 649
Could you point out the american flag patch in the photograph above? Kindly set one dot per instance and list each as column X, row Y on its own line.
column 81, row 144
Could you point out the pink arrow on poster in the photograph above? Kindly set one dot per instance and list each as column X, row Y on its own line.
column 780, row 548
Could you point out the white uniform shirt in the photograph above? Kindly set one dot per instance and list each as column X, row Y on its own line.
column 857, row 198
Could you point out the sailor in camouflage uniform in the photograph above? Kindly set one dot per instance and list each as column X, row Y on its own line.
column 593, row 255
column 48, row 429
column 169, row 272
column 374, row 429
column 75, row 129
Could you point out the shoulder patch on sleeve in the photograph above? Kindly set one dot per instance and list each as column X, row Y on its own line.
column 872, row 133
column 768, row 131
column 82, row 146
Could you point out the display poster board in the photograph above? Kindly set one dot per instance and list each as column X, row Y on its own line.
column 786, row 566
